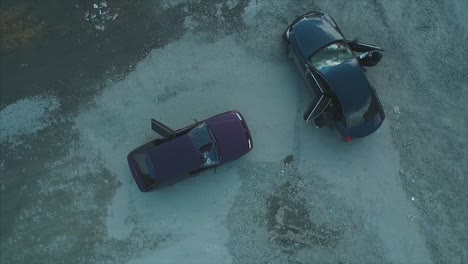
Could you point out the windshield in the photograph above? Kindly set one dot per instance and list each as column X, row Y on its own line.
column 332, row 55
column 204, row 142
column 365, row 114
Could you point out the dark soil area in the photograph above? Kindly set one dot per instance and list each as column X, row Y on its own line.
column 49, row 47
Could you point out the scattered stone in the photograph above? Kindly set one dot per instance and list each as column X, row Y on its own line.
column 100, row 15
column 396, row 110
column 231, row 4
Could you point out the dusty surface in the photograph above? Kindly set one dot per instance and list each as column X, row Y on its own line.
column 302, row 195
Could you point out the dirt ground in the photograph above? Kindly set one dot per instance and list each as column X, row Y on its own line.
column 76, row 100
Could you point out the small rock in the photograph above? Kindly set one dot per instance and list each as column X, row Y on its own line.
column 231, row 4
column 396, row 110
column 100, row 27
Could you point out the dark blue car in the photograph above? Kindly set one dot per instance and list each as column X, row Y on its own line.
column 333, row 69
column 188, row 151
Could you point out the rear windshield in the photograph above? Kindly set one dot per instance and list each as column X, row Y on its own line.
column 145, row 167
column 365, row 114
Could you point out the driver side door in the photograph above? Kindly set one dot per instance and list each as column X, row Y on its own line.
column 319, row 101
column 316, row 108
column 362, row 47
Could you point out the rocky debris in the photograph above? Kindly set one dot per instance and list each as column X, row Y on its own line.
column 100, row 15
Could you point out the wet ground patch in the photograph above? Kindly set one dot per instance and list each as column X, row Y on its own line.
column 292, row 225
column 69, row 56
column 295, row 218
column 217, row 16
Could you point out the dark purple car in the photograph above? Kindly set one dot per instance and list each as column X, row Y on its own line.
column 190, row 150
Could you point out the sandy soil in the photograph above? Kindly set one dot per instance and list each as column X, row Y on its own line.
column 302, row 195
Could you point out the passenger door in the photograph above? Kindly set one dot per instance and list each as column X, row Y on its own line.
column 362, row 47
column 161, row 129
column 316, row 108
column 320, row 101
column 369, row 55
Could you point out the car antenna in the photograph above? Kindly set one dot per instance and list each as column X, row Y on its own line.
column 196, row 121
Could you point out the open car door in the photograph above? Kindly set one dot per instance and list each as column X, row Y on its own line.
column 316, row 108
column 371, row 54
column 357, row 46
column 161, row 129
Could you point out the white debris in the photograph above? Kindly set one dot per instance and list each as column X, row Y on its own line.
column 100, row 27
column 396, row 110
column 100, row 15
column 190, row 23
column 26, row 116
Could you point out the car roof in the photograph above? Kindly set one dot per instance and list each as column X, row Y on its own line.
column 350, row 85
column 313, row 33
column 174, row 158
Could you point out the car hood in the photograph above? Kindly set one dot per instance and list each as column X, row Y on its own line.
column 313, row 33
column 350, row 85
column 230, row 135
column 174, row 158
